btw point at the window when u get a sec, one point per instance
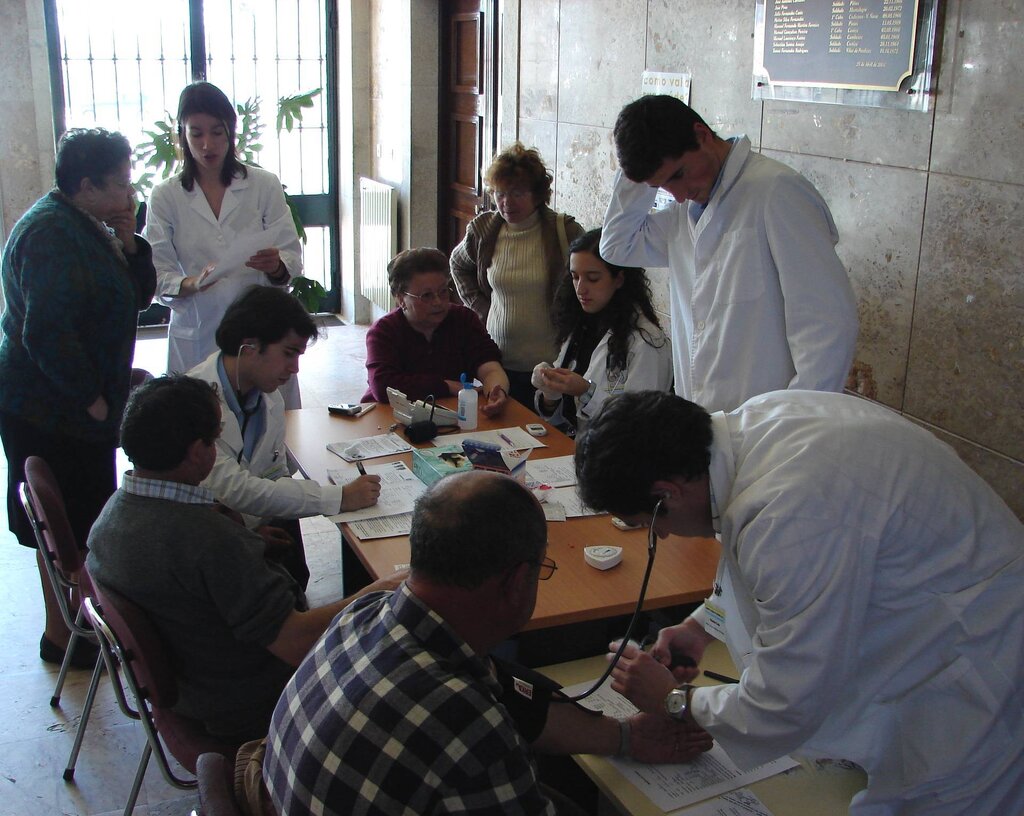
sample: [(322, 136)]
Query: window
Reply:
[(123, 65)]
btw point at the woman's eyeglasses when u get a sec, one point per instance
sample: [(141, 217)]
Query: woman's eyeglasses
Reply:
[(432, 297)]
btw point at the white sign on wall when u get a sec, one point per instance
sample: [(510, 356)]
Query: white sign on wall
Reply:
[(662, 82)]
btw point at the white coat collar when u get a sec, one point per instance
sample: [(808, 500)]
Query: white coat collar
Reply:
[(738, 154), (198, 202), (722, 470)]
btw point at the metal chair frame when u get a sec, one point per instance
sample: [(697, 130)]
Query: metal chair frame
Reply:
[(63, 584), (118, 660)]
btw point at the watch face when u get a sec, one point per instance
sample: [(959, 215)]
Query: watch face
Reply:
[(675, 702)]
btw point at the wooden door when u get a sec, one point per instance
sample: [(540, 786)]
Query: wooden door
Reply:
[(468, 112)]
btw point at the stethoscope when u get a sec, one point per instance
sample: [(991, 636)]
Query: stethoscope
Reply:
[(247, 413), (652, 546)]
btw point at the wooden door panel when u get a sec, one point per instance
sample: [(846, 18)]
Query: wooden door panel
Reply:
[(468, 112)]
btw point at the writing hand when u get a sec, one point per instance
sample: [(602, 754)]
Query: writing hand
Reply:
[(361, 493)]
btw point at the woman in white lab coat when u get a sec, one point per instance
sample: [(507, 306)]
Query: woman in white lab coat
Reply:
[(215, 205), (609, 334)]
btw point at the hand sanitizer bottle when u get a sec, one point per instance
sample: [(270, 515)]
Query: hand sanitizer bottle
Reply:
[(467, 405)]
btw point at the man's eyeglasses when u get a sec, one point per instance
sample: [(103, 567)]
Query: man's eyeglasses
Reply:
[(432, 297), (547, 568)]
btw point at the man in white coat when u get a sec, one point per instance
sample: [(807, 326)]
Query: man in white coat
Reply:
[(869, 591), (261, 337), (759, 299)]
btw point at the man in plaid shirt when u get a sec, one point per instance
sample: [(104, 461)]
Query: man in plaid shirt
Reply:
[(398, 708)]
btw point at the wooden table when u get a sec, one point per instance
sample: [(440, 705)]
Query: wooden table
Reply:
[(684, 567), (804, 791)]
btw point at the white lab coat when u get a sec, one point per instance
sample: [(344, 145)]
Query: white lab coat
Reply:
[(186, 237), (648, 367), (759, 299), (880, 582), (261, 488)]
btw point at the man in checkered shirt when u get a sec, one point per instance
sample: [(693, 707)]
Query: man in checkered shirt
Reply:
[(398, 709)]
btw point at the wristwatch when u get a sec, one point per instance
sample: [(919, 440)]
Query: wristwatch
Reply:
[(677, 703)]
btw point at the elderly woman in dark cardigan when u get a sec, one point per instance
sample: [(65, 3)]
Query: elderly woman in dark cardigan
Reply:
[(75, 276)]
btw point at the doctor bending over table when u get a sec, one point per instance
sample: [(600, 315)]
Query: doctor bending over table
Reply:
[(869, 587)]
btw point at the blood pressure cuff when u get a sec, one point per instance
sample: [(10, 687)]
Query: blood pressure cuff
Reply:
[(527, 695)]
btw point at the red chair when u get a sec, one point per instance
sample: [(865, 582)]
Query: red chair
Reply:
[(65, 567), (137, 659)]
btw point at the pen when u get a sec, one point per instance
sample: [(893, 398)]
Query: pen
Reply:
[(362, 470), (721, 678), (510, 443)]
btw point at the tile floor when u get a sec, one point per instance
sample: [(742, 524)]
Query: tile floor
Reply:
[(34, 738)]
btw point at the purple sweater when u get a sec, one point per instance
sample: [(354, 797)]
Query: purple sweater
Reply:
[(398, 356)]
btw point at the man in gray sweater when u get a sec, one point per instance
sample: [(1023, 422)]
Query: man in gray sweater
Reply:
[(235, 621)]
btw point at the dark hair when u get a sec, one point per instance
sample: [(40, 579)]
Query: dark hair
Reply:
[(621, 315), (638, 438), (517, 163), (89, 153), (411, 262), (265, 313), (469, 527), (204, 97), (651, 129), (164, 416)]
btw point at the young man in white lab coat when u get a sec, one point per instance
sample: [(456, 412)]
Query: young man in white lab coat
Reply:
[(261, 337), (759, 299), (869, 591)]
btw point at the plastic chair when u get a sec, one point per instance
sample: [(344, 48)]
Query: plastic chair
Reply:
[(137, 659), (216, 776), (65, 568)]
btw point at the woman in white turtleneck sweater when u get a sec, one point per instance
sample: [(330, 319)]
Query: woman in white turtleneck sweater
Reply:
[(509, 264)]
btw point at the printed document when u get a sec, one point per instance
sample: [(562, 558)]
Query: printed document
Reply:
[(370, 447), (387, 527), (671, 787), (399, 489), (558, 471)]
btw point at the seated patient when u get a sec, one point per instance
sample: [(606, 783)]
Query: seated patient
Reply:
[(400, 709), (423, 346), (260, 339), (231, 618), (610, 336)]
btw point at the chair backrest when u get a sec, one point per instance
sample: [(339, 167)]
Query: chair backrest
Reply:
[(141, 649), (49, 519)]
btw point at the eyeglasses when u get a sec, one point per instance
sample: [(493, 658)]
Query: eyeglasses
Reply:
[(517, 194), (432, 297), (547, 568)]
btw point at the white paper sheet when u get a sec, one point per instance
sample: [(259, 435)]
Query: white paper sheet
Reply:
[(399, 489), (240, 251), (671, 787), (569, 498), (558, 471), (735, 803), (387, 527), (370, 447), (515, 438)]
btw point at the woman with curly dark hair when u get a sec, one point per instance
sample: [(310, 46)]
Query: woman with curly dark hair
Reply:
[(611, 340)]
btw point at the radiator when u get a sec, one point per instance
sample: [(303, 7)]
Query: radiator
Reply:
[(378, 239)]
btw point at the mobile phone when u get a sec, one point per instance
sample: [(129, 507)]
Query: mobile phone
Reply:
[(352, 409)]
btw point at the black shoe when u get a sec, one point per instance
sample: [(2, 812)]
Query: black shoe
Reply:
[(83, 657)]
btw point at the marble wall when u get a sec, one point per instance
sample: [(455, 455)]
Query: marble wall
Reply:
[(927, 204)]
